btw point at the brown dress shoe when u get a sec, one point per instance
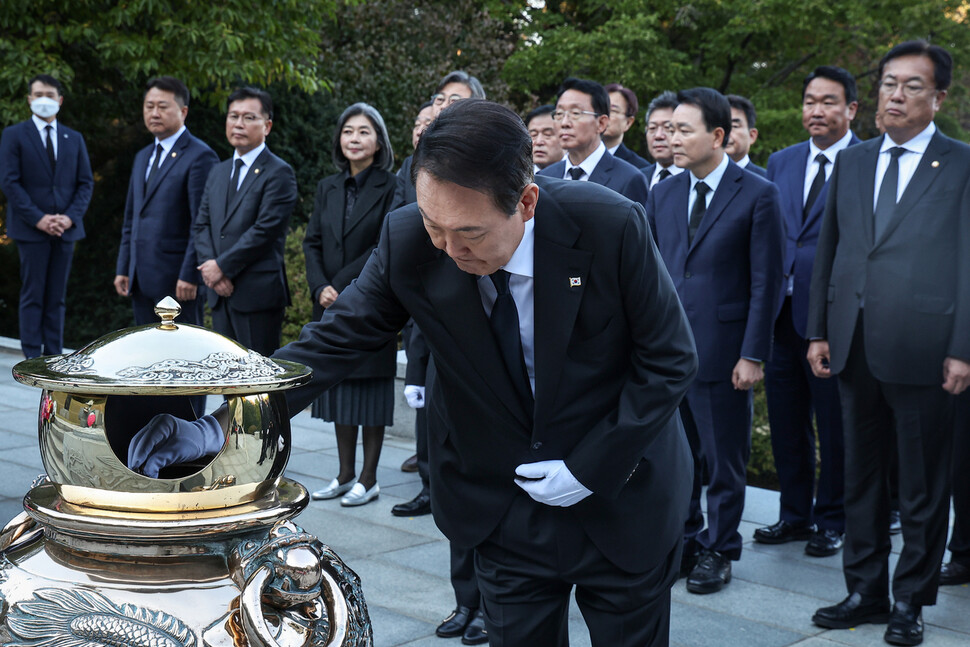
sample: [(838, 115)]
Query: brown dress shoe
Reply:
[(410, 465)]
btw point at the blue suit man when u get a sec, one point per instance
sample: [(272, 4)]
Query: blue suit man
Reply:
[(46, 176), (157, 254), (810, 509), (720, 233), (583, 112)]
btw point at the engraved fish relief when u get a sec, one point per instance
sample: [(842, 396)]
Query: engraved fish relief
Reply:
[(78, 618)]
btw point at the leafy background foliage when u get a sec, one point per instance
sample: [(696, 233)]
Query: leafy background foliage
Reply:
[(318, 56)]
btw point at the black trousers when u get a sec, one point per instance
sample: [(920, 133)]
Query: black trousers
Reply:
[(530, 564), (960, 537), (260, 331), (917, 421)]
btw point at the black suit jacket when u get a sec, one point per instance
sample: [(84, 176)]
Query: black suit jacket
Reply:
[(613, 358), (628, 155), (157, 245), (336, 250), (914, 279), (612, 173), (247, 238)]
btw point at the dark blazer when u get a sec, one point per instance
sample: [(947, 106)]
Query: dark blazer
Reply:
[(613, 358), (914, 279), (730, 277), (33, 190), (336, 251), (629, 156), (247, 238), (613, 173), (786, 169), (157, 246), (406, 193), (757, 170)]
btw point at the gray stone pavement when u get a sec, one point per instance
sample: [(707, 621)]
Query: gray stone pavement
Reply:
[(403, 563)]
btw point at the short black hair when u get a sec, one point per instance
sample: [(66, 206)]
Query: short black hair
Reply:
[(666, 99), (249, 92), (632, 105), (597, 93), (479, 145), (538, 112), (384, 157), (460, 76), (46, 79), (714, 107), (170, 84), (744, 105), (426, 104), (942, 61), (837, 74)]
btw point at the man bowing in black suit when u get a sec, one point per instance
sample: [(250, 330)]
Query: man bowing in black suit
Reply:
[(241, 228), (889, 314)]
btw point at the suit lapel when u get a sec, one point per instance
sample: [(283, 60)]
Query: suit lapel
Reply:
[(337, 197), (865, 179), (796, 191), (368, 196), (252, 177), (926, 173), (601, 173), (727, 188), (455, 297), (173, 157), (40, 146), (217, 197), (561, 273), (138, 170)]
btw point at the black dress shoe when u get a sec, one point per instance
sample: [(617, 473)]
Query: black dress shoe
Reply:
[(410, 464), (454, 625), (688, 560), (954, 572), (419, 505), (475, 633), (905, 625), (824, 543), (782, 533), (852, 611), (895, 523), (712, 573)]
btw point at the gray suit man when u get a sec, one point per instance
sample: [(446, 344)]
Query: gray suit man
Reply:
[(889, 314)]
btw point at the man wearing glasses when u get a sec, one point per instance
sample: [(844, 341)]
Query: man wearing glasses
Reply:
[(583, 113), (241, 228), (454, 87), (889, 314)]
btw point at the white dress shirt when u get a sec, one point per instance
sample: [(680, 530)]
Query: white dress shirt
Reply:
[(712, 180), (588, 164), (521, 284), (811, 167), (907, 161), (248, 160), (673, 169), (42, 129), (167, 145)]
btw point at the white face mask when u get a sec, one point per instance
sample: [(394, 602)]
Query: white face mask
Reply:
[(44, 107)]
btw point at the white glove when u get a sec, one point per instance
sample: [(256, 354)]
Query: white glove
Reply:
[(551, 482), (414, 395)]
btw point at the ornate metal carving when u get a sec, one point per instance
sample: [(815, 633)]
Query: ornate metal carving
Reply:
[(81, 618), (214, 368), (73, 364), (303, 586)]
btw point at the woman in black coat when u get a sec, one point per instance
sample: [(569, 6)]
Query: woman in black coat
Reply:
[(348, 212)]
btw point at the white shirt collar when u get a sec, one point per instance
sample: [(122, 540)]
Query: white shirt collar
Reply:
[(168, 142), (714, 177), (917, 144), (42, 125), (831, 151), (588, 164), (615, 148), (522, 262), (744, 161), (250, 157)]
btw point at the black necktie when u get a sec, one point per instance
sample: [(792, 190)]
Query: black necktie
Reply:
[(576, 172), (50, 145), (154, 167), (886, 203), (505, 326), (817, 184), (663, 175), (697, 211), (234, 180)]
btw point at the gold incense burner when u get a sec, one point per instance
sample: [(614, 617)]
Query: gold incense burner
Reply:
[(205, 555)]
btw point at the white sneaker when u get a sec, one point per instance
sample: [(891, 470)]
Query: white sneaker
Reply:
[(359, 496), (333, 490)]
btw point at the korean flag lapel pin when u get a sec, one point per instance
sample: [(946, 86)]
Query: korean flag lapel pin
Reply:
[(575, 282)]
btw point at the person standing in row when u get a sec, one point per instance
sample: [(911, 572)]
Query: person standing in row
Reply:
[(241, 228), (46, 175), (348, 212)]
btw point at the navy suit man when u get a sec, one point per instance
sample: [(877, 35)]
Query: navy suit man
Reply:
[(743, 133), (623, 113), (583, 113), (658, 132), (241, 228), (889, 311), (810, 509), (157, 253), (46, 175), (720, 233)]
